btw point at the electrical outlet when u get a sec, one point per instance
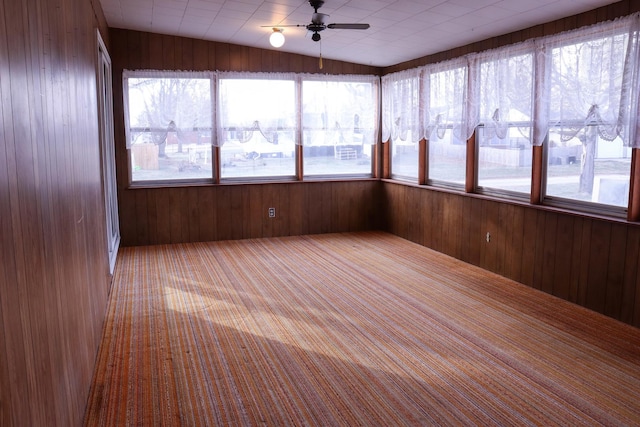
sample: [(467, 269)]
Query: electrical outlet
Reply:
[(272, 212), (488, 237)]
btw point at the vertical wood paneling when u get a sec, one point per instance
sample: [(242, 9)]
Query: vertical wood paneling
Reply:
[(153, 218), (636, 301), (615, 271), (206, 215), (168, 53), (475, 239), (141, 211), (180, 223), (435, 211), (596, 291), (344, 201), (270, 199), (126, 212), (162, 216), (52, 224), (222, 202), (415, 221), (323, 204), (134, 51), (537, 241), (398, 204), (193, 198), (547, 268), (236, 213), (563, 256), (593, 262), (582, 269), (450, 223), (294, 215), (155, 52), (631, 287), (201, 55), (514, 242), (489, 215)]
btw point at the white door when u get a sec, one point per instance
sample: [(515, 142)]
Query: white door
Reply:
[(107, 149)]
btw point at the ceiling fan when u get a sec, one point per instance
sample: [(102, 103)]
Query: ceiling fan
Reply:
[(318, 22)]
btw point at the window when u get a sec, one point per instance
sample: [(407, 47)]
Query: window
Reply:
[(260, 120), (339, 122), (503, 137), (587, 167), (258, 126), (447, 132), (401, 122), (168, 119), (575, 94), (586, 160)]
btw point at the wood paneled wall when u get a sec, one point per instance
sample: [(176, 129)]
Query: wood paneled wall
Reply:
[(219, 212), (224, 212), (140, 50), (592, 262), (54, 273)]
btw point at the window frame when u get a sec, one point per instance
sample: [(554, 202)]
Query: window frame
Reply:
[(376, 89), (216, 177), (539, 157), (165, 74), (448, 66)]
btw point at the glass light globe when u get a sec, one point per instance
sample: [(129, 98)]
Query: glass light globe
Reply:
[(277, 38)]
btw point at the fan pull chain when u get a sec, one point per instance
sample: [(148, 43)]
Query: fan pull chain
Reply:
[(320, 61)]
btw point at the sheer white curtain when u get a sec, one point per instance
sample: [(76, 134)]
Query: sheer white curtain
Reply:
[(259, 105), (157, 103), (344, 106), (503, 91), (445, 94), (401, 106), (590, 78)]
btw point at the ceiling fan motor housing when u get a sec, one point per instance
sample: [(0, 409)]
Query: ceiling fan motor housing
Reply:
[(315, 27), (316, 4)]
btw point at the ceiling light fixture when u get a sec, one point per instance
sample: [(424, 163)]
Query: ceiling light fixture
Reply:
[(276, 38)]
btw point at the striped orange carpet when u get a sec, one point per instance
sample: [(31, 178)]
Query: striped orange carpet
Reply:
[(347, 330)]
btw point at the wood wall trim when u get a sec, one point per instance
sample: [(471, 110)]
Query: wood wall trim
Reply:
[(536, 175), (422, 162), (471, 165), (634, 188), (386, 159)]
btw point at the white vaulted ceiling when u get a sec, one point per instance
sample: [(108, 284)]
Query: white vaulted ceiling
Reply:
[(400, 30)]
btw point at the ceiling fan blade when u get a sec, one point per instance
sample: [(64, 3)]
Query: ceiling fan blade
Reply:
[(282, 26), (349, 26)]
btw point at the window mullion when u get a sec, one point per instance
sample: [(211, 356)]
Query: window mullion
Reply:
[(634, 192), (540, 86), (299, 152)]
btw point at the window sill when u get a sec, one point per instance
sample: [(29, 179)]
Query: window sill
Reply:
[(610, 217)]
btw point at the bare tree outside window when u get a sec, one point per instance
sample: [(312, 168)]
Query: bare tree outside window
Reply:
[(170, 132)]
